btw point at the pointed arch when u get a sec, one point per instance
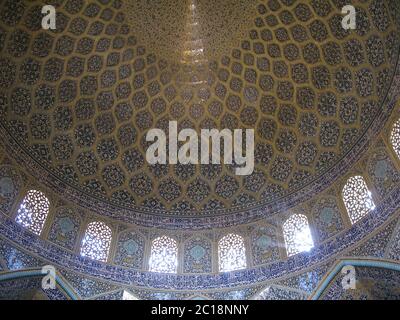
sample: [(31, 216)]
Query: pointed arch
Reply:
[(97, 241), (357, 198), (395, 138), (33, 211), (164, 255), (231, 253), (297, 234)]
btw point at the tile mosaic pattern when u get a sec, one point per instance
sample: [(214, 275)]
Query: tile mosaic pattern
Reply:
[(79, 100), (297, 287), (264, 245), (64, 230), (20, 289), (280, 293), (307, 281), (277, 269), (393, 251), (383, 172), (376, 246), (197, 256), (130, 250), (74, 121), (86, 287), (15, 259), (326, 217), (110, 296), (372, 284), (10, 185)]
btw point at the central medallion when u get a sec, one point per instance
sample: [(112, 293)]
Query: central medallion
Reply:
[(190, 31)]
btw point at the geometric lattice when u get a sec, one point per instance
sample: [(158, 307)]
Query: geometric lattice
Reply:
[(231, 253), (33, 211), (97, 241), (357, 198), (164, 255), (81, 100), (297, 235), (395, 138)]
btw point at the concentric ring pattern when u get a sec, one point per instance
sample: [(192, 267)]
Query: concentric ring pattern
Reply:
[(80, 99)]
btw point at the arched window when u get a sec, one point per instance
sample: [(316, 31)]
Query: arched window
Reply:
[(395, 138), (164, 255), (357, 198), (297, 235), (33, 211), (231, 253), (97, 241)]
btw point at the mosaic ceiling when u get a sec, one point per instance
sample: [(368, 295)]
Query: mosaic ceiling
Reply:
[(80, 99), (168, 27)]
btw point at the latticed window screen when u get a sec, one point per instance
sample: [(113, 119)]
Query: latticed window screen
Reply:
[(96, 242), (231, 253), (297, 235), (395, 138), (164, 255), (33, 211), (357, 198)]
